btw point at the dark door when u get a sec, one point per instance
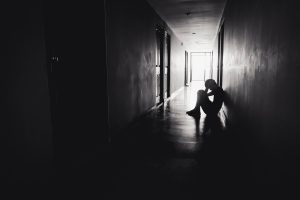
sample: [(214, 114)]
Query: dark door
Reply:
[(75, 41), (220, 54), (167, 68), (58, 76)]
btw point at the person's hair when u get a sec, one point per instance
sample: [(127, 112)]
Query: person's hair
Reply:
[(210, 82)]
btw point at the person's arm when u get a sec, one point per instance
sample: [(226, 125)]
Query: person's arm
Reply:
[(210, 93), (206, 90)]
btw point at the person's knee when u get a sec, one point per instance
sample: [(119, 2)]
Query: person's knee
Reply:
[(201, 92)]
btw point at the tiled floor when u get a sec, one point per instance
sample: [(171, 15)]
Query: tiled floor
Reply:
[(170, 153)]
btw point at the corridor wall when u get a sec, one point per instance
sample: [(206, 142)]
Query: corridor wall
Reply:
[(261, 78), (131, 48)]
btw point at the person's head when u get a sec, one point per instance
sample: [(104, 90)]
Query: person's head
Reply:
[(211, 84)]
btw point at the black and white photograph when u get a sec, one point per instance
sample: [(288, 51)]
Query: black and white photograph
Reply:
[(150, 99)]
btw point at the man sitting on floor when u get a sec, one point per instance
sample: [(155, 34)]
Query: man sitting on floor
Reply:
[(210, 108)]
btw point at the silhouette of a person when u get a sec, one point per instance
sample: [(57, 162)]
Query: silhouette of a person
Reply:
[(209, 107)]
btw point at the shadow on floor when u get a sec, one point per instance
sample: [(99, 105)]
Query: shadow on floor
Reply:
[(171, 154)]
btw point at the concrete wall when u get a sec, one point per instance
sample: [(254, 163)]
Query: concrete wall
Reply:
[(131, 60), (261, 78), (26, 133)]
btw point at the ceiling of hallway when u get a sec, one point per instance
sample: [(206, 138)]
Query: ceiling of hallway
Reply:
[(196, 30)]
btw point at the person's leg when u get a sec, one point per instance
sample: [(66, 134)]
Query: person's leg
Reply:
[(202, 98)]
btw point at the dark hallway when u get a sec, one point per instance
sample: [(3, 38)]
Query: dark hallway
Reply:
[(95, 94), (167, 154)]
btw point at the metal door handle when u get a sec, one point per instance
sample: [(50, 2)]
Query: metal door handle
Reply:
[(54, 59)]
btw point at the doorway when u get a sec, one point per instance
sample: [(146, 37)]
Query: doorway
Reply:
[(163, 62)]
